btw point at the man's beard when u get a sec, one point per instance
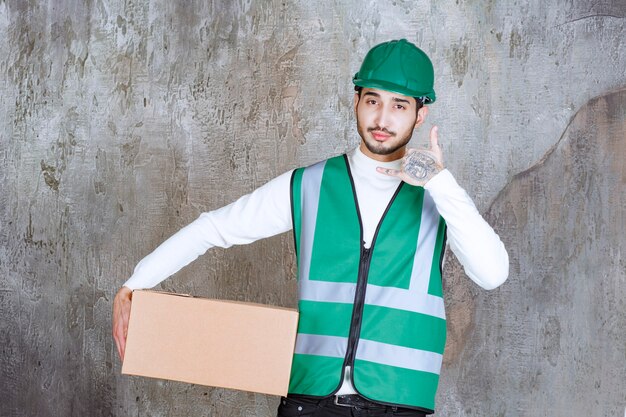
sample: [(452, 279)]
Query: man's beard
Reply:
[(380, 148)]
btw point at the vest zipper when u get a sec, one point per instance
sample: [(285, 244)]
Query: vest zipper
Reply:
[(361, 285), (359, 303)]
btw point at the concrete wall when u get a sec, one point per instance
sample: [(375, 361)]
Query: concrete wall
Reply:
[(122, 121)]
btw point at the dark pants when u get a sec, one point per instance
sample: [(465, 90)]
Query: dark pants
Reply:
[(304, 407)]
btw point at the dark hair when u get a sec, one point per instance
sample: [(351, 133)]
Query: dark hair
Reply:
[(419, 101)]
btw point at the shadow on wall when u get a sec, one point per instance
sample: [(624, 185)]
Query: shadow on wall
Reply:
[(551, 340)]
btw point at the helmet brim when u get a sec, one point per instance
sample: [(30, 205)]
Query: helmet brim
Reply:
[(427, 96)]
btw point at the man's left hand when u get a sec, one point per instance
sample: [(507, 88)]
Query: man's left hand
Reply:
[(419, 165)]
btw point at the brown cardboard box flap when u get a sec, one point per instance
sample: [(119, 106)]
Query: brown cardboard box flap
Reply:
[(228, 344)]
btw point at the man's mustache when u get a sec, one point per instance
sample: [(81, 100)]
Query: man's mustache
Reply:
[(378, 129)]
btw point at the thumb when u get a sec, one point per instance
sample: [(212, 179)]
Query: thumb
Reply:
[(434, 138)]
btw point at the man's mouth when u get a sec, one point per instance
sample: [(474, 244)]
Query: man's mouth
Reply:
[(380, 134)]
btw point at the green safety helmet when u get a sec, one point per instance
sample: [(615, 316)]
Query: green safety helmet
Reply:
[(399, 67)]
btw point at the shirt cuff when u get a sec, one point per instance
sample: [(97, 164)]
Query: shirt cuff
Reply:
[(442, 180)]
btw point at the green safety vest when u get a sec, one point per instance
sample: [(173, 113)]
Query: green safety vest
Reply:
[(378, 310)]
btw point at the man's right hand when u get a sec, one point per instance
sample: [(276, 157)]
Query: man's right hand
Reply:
[(121, 314)]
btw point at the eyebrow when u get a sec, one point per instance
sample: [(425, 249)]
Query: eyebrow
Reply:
[(396, 99)]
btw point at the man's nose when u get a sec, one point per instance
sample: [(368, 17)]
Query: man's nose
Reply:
[(382, 117)]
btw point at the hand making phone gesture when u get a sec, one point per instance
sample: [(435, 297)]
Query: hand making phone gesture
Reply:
[(419, 165)]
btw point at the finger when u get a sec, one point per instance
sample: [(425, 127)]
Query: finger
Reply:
[(126, 315), (115, 330), (434, 138), (120, 350), (120, 339), (121, 317), (388, 171)]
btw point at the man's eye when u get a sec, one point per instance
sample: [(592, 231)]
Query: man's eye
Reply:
[(400, 106), (371, 101)]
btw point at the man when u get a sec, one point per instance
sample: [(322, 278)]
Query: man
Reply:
[(370, 229)]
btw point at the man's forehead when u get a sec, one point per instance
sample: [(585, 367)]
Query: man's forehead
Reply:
[(386, 94)]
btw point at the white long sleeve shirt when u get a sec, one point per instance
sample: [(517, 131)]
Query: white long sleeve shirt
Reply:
[(267, 211)]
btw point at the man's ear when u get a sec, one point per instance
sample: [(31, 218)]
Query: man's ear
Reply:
[(356, 100), (421, 116)]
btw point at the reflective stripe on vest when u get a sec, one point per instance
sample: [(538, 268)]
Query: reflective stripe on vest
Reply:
[(402, 331)]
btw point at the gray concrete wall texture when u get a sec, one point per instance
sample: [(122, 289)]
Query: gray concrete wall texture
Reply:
[(123, 120)]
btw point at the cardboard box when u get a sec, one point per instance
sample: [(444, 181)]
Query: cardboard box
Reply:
[(228, 344)]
